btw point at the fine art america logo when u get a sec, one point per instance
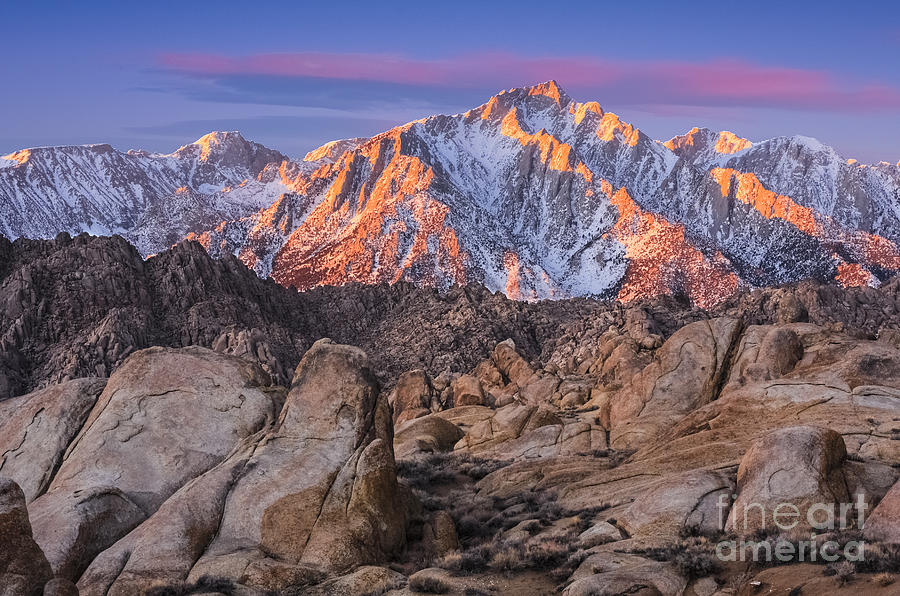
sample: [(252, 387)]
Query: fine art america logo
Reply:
[(790, 533)]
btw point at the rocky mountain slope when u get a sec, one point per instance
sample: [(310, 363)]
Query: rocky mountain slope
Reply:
[(180, 426), (153, 200), (74, 307), (532, 193)]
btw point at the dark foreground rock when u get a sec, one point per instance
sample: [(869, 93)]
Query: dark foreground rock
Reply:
[(23, 567)]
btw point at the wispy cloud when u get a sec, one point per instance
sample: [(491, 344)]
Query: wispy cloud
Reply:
[(725, 82)]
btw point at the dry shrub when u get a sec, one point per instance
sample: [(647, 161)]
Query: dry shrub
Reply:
[(845, 571), (443, 468), (693, 556), (429, 584), (508, 556), (880, 558), (471, 560)]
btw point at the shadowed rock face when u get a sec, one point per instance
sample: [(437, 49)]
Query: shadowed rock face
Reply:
[(23, 567), (78, 307), (884, 523)]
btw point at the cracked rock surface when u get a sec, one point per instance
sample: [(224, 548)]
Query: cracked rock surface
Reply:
[(143, 441)]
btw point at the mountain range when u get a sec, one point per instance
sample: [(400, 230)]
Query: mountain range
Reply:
[(532, 194), (177, 419)]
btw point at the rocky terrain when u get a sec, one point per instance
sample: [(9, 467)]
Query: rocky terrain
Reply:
[(178, 425), (76, 307), (532, 194)]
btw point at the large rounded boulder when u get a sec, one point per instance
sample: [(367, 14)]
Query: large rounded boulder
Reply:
[(321, 488), (165, 417), (792, 478)]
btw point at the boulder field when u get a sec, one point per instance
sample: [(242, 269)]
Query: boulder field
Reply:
[(621, 461)]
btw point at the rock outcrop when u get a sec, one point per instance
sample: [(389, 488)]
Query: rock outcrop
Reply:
[(796, 467), (36, 429), (688, 372), (428, 434), (323, 491), (78, 307), (314, 492), (23, 567), (162, 550), (183, 297), (883, 524), (596, 451), (142, 442), (696, 501), (412, 395)]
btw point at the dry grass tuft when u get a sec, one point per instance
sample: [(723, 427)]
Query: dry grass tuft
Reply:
[(429, 584)]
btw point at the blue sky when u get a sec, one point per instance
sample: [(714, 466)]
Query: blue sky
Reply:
[(293, 75)]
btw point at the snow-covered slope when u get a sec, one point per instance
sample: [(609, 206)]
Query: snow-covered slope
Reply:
[(151, 199), (537, 195), (532, 194)]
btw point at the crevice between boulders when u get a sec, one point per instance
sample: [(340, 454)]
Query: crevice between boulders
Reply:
[(729, 359)]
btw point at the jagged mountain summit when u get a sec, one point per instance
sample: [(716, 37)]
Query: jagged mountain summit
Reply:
[(532, 193)]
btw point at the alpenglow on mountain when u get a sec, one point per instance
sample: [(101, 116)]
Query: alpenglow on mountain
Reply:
[(532, 194)]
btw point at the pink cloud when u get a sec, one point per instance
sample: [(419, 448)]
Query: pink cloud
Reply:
[(466, 70), (718, 82)]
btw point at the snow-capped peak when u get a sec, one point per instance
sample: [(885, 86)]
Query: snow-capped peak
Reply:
[(334, 149), (532, 193), (705, 145), (151, 199)]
